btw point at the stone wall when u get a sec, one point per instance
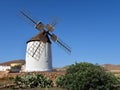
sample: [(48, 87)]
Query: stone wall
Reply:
[(52, 75)]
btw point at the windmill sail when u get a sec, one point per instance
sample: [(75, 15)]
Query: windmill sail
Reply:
[(28, 17), (64, 46), (36, 50), (60, 43), (33, 22)]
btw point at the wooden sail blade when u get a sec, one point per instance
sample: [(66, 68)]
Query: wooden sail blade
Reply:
[(28, 17), (38, 25), (64, 46), (60, 43), (49, 27), (53, 21), (53, 37)]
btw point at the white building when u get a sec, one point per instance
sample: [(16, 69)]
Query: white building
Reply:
[(38, 54), (4, 68)]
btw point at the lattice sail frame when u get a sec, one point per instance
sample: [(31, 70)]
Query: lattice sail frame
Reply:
[(36, 49)]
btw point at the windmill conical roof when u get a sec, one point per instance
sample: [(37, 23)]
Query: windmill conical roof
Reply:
[(42, 36)]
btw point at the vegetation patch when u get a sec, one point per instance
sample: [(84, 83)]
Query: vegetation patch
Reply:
[(87, 76), (32, 81)]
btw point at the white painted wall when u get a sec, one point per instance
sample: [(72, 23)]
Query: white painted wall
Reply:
[(4, 68), (44, 63)]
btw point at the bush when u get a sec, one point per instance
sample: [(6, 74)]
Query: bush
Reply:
[(32, 80), (87, 76)]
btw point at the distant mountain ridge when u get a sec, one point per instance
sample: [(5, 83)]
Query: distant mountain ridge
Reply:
[(8, 63)]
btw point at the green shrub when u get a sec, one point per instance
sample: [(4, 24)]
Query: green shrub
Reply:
[(33, 80), (87, 76)]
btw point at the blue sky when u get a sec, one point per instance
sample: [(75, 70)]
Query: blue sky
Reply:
[(90, 27)]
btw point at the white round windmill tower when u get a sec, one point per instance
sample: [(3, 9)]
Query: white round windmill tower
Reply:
[(39, 53)]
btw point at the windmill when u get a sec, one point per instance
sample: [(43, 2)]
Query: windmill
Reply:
[(38, 53)]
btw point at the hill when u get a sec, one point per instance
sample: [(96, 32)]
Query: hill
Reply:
[(112, 67), (13, 61)]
